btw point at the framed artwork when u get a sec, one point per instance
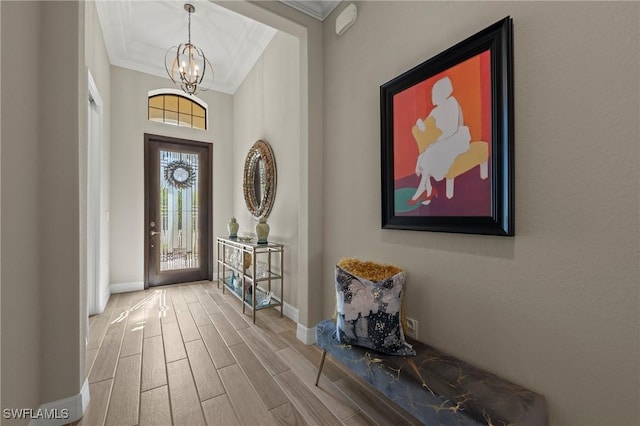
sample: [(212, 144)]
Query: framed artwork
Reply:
[(447, 139)]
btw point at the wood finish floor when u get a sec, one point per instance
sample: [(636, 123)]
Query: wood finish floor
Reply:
[(186, 355)]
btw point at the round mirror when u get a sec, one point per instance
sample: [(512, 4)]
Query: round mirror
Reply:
[(259, 183)]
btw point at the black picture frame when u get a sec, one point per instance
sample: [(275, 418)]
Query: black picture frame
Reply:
[(498, 216)]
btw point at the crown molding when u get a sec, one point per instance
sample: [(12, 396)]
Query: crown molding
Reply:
[(318, 9)]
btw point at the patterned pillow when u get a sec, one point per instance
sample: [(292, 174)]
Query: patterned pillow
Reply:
[(369, 313)]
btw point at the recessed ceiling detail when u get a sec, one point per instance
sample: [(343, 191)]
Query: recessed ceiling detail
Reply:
[(319, 9), (138, 34)]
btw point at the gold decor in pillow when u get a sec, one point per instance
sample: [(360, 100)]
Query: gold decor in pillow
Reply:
[(371, 271)]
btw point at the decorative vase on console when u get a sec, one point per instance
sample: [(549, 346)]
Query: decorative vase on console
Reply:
[(233, 228), (262, 231)]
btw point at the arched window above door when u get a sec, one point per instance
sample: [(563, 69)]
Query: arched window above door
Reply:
[(171, 106)]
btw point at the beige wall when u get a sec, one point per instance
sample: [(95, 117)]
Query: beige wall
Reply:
[(128, 125), (556, 307), (42, 304), (267, 107), (310, 236), (20, 269), (60, 186)]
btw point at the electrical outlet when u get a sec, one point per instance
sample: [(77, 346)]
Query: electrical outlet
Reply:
[(412, 328)]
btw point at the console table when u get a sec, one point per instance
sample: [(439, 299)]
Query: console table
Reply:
[(249, 270)]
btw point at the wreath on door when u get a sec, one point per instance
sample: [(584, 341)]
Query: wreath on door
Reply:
[(179, 174)]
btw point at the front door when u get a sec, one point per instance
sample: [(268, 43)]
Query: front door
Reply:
[(178, 238)]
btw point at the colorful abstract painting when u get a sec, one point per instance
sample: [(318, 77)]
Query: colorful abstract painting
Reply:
[(441, 128), (447, 139)]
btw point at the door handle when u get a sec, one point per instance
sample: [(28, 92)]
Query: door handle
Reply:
[(154, 233)]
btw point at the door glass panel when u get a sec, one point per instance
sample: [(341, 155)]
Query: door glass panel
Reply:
[(179, 183)]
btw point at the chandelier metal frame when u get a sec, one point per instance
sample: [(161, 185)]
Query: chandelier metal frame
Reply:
[(189, 65)]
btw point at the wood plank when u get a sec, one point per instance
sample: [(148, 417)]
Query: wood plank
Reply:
[(209, 286), (313, 354), (179, 304), (198, 289), (165, 307), (208, 304), (243, 397), (123, 302), (185, 404), (198, 313), (137, 299), (359, 419), (104, 367), (132, 341), (117, 323), (272, 338), (153, 364), (215, 345), (97, 330), (204, 372), (304, 400), (372, 404), (267, 356), (173, 346), (326, 391), (124, 405), (237, 320), (96, 412), (272, 318), (216, 295), (154, 407), (188, 327), (287, 415), (267, 389), (188, 293), (152, 325), (226, 330), (110, 307), (219, 411), (91, 357)]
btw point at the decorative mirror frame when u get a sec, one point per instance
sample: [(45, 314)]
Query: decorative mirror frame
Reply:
[(260, 149)]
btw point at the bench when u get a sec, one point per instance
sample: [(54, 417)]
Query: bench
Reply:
[(436, 388), (477, 155)]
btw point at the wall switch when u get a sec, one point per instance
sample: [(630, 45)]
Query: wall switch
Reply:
[(412, 328)]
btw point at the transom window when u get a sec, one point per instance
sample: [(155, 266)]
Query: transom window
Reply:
[(171, 107)]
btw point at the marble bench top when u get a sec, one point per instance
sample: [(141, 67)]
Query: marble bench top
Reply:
[(437, 388)]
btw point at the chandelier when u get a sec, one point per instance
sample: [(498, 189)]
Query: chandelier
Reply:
[(187, 65)]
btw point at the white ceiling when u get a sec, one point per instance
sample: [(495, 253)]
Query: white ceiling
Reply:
[(139, 33)]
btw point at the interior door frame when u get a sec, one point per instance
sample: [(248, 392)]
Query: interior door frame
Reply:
[(148, 139), (95, 185)]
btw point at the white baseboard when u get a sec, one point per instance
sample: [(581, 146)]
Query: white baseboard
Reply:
[(62, 411), (126, 287), (306, 335), (290, 312)]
